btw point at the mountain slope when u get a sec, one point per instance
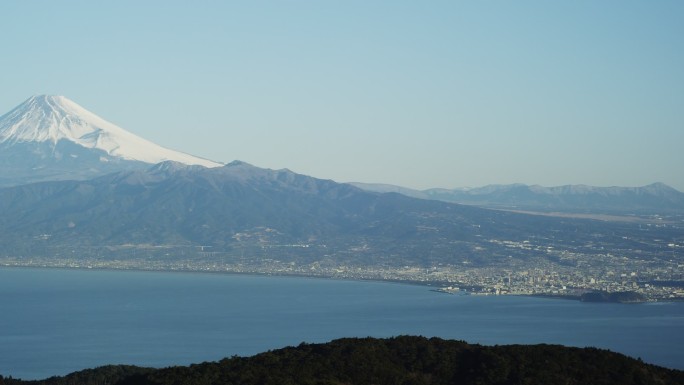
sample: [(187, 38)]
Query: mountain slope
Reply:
[(242, 210), (53, 138)]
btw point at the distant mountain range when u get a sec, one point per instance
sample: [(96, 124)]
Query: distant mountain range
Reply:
[(49, 138), (76, 185), (239, 209), (654, 198)]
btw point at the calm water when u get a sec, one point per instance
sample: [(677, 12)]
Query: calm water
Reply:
[(53, 322)]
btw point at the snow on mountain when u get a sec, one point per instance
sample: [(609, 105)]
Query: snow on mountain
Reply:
[(51, 119)]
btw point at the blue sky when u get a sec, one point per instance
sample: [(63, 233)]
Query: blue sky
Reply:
[(418, 94)]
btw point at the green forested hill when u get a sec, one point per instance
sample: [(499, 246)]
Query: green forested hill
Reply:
[(400, 360)]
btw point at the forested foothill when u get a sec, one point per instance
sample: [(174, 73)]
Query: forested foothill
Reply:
[(399, 360)]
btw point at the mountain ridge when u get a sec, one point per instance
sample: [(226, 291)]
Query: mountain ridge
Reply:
[(655, 197), (246, 211)]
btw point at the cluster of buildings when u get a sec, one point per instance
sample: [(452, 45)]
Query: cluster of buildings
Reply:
[(576, 273)]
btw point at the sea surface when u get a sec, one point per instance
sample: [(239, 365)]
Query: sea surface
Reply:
[(54, 321)]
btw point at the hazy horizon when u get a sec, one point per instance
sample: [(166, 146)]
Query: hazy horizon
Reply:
[(445, 94)]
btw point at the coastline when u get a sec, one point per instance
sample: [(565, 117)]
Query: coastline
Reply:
[(227, 272), (530, 312), (442, 287)]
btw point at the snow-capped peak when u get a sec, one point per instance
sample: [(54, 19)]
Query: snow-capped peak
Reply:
[(47, 118)]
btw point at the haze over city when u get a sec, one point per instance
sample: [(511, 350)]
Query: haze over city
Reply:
[(445, 94)]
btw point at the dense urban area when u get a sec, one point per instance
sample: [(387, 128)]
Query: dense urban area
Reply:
[(657, 275)]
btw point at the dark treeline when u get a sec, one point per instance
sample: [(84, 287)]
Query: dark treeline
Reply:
[(400, 360)]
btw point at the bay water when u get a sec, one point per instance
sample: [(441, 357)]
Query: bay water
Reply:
[(56, 321)]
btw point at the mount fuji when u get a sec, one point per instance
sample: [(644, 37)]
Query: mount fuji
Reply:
[(53, 138)]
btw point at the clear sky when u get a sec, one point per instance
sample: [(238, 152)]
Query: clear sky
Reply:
[(414, 93)]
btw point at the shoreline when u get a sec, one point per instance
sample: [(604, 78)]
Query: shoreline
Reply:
[(219, 272), (66, 275), (440, 287)]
